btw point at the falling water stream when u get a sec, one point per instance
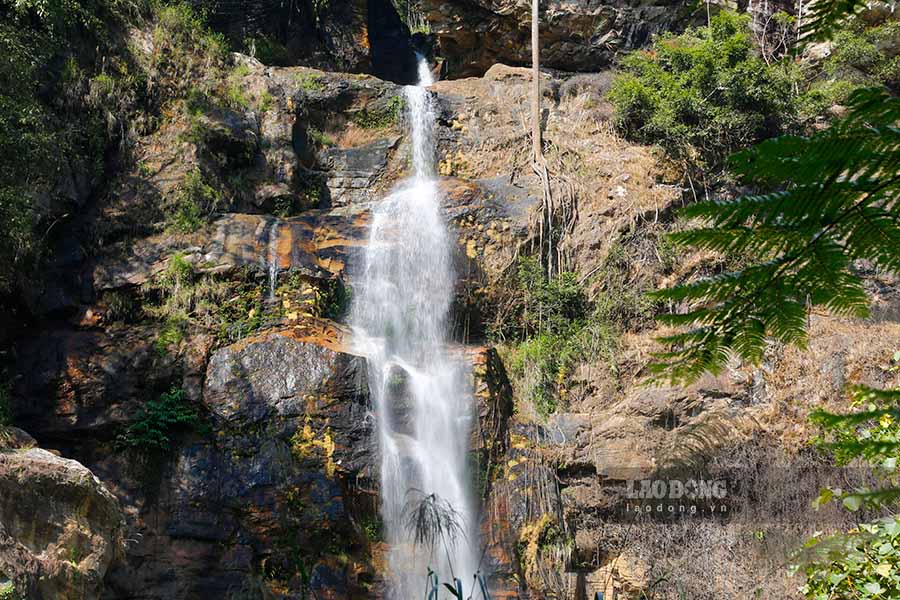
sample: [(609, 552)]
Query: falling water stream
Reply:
[(423, 401), (272, 258)]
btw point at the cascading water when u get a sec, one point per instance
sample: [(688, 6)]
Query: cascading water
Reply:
[(400, 317), (272, 258)]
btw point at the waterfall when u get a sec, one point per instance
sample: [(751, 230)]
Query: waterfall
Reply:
[(272, 258), (420, 389)]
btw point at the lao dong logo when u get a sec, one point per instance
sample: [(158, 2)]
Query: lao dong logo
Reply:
[(676, 496)]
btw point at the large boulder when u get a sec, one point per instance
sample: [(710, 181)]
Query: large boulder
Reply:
[(272, 492), (60, 528)]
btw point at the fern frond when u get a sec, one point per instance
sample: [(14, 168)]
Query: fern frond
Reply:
[(824, 18), (839, 201)]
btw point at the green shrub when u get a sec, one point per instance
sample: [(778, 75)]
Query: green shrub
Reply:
[(380, 119), (544, 305), (704, 94), (171, 334), (158, 422), (235, 96), (552, 327), (52, 86), (859, 55), (265, 101), (320, 138), (180, 32), (310, 82), (29, 147), (195, 201), (621, 300)]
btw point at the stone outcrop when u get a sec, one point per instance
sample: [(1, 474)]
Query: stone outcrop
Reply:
[(60, 528), (576, 35), (273, 490)]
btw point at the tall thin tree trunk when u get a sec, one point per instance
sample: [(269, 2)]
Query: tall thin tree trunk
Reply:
[(536, 81)]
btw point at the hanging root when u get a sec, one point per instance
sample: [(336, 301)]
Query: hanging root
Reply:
[(557, 219)]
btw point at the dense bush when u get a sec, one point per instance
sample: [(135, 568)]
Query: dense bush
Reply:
[(68, 84), (866, 54), (34, 143), (704, 94)]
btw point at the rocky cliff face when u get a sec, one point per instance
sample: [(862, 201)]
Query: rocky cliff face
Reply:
[(575, 35), (272, 494)]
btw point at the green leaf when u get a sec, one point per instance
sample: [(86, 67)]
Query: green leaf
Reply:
[(824, 497), (852, 502), (452, 590), (873, 588)]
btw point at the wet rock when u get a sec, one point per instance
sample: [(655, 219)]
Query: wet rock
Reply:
[(316, 244), (397, 395), (60, 529), (353, 171)]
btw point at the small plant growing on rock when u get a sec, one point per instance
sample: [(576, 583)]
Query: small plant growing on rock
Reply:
[(194, 202), (158, 422), (380, 119), (8, 591), (309, 82), (234, 93), (320, 138)]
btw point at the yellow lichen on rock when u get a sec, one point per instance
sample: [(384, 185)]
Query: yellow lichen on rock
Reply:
[(305, 444)]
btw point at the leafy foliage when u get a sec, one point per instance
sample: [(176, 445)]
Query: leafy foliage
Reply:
[(871, 433), (860, 55), (554, 326), (704, 94), (40, 60), (863, 564), (380, 119), (195, 201), (185, 51), (839, 203), (825, 18), (158, 422)]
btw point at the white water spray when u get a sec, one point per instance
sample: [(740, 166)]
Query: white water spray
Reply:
[(424, 403)]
